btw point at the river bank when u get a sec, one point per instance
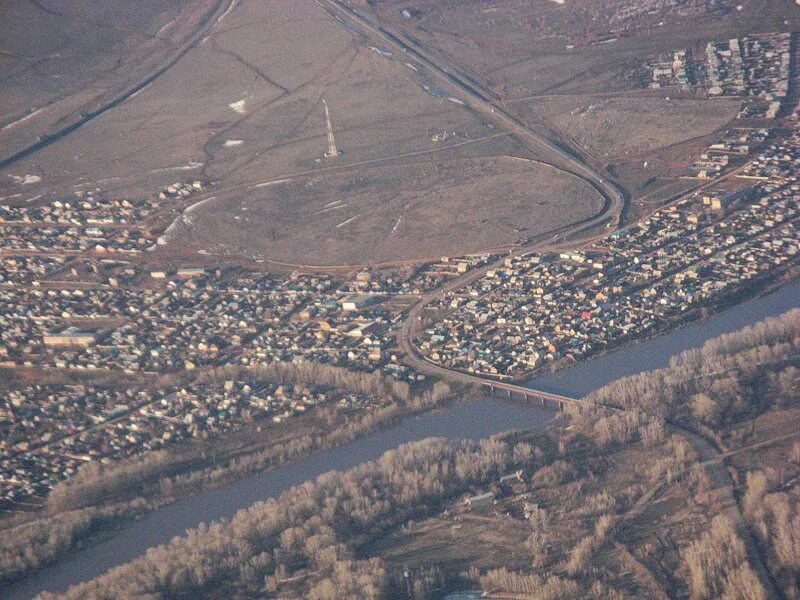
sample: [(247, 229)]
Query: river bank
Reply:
[(461, 420), (655, 352)]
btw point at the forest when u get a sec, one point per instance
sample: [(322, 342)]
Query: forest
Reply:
[(100, 495), (731, 377), (314, 528), (611, 504)]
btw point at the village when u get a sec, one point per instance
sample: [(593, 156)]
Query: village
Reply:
[(57, 428), (542, 309), (754, 67), (98, 312), (144, 323), (85, 299)]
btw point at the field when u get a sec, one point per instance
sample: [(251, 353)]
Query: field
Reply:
[(243, 107), (59, 59), (229, 92), (610, 128), (390, 213), (566, 70)]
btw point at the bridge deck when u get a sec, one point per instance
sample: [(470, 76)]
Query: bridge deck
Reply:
[(511, 388)]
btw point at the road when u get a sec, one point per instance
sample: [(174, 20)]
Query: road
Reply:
[(209, 20), (467, 92), (711, 458), (722, 487)]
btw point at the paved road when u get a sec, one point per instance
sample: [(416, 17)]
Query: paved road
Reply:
[(209, 20), (466, 90), (710, 457)]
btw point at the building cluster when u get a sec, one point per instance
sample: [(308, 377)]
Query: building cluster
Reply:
[(16, 270), (80, 211), (48, 431), (83, 223), (72, 238), (169, 320), (539, 309), (174, 320), (672, 70), (729, 151), (147, 321), (755, 68)]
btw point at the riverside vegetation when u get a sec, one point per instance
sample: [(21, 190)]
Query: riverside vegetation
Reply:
[(611, 505), (101, 496)]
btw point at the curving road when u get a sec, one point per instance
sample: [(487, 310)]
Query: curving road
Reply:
[(465, 90), (710, 457)]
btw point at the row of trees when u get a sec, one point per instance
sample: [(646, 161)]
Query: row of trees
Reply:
[(718, 565), (187, 470), (312, 529), (28, 546), (101, 494), (721, 382), (775, 516)]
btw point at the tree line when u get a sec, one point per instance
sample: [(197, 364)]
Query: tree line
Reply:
[(721, 382), (101, 494), (306, 538)]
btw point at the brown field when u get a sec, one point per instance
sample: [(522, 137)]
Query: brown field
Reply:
[(542, 61), (519, 47), (610, 128), (58, 59), (242, 106), (390, 213)]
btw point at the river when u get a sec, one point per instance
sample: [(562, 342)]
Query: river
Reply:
[(471, 420), (655, 353)]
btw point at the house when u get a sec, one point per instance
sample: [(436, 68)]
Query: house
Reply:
[(71, 336), (359, 301), (479, 501)]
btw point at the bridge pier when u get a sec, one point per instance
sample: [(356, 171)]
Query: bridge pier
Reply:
[(529, 395)]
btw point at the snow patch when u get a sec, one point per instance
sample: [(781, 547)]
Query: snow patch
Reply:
[(350, 220), (190, 167), (269, 183), (183, 222), (26, 180), (238, 106), (232, 143), (32, 113)]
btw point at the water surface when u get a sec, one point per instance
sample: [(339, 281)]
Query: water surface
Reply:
[(462, 420), (655, 353), (471, 420)]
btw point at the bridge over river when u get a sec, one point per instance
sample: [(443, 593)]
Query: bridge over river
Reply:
[(511, 390)]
